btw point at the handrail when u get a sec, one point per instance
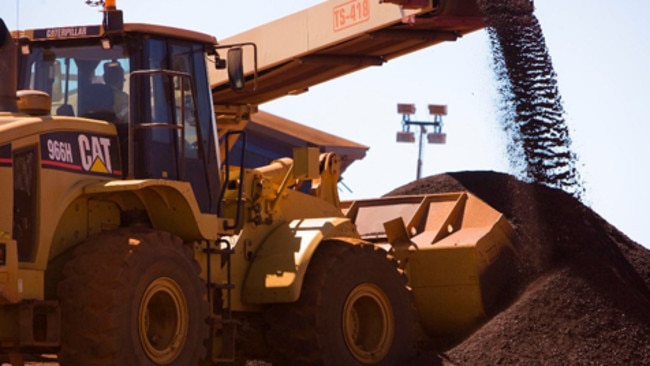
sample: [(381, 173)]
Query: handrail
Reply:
[(226, 225)]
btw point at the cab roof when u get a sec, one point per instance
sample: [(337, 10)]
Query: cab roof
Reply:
[(97, 31)]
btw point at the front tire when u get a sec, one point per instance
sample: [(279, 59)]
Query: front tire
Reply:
[(354, 309), (132, 297)]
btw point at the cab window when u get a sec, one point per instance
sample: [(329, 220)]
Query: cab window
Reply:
[(83, 81)]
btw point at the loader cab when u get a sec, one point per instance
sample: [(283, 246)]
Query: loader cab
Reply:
[(150, 81)]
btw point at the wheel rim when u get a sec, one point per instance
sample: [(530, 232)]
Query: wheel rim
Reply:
[(163, 321), (368, 323)]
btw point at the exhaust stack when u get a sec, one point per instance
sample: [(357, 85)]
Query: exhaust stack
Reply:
[(8, 77)]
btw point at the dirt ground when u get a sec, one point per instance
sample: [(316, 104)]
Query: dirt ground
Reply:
[(583, 296)]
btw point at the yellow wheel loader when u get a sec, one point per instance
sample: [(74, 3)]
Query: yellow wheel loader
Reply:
[(126, 238)]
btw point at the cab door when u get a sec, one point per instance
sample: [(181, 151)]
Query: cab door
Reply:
[(173, 119)]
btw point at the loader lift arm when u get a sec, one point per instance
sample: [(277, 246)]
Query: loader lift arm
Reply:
[(338, 37)]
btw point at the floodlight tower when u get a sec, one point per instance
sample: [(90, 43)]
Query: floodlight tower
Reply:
[(435, 137)]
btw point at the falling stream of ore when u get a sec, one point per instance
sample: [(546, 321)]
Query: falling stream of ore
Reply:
[(532, 114)]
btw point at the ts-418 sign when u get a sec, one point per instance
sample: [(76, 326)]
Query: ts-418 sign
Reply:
[(351, 13)]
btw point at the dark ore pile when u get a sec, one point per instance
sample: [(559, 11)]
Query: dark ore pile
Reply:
[(582, 292)]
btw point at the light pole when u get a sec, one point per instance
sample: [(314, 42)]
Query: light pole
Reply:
[(435, 137)]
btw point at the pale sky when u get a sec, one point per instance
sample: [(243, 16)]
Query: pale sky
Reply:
[(600, 51)]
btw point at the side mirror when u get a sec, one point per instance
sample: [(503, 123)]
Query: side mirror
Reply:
[(235, 64), (236, 68)]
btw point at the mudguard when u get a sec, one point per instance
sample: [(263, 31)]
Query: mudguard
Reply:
[(280, 264)]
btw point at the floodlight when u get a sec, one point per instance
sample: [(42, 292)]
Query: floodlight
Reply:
[(437, 138), (405, 108), (405, 136), (437, 109)]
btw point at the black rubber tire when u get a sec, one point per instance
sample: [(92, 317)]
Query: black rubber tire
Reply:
[(313, 330), (108, 286)]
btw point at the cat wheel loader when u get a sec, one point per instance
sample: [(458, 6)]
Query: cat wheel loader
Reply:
[(127, 238)]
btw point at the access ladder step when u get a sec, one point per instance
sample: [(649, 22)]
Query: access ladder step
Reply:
[(228, 332), (225, 252), (222, 286)]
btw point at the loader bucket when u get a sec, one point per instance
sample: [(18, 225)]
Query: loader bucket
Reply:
[(456, 251)]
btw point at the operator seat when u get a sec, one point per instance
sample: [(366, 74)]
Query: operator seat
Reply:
[(99, 103)]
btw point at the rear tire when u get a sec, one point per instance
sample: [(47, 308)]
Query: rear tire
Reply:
[(354, 309), (132, 297)]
